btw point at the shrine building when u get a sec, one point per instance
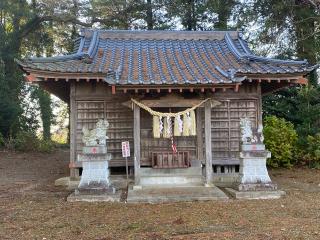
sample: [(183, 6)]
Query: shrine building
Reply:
[(176, 96)]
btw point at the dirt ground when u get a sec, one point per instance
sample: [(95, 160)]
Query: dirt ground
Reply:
[(31, 207)]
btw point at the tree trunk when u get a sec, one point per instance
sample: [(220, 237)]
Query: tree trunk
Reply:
[(149, 15), (45, 112)]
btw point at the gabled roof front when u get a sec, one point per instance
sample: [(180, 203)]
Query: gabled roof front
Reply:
[(164, 57)]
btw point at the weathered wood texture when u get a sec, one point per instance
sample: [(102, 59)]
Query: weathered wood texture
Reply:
[(225, 121), (225, 126), (208, 141), (74, 172), (136, 140), (94, 103), (150, 144)]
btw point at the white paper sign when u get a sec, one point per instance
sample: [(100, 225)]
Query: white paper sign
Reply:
[(125, 149)]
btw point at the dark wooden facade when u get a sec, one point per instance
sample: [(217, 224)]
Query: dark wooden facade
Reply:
[(91, 101)]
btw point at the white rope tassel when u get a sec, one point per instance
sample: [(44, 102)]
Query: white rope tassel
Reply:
[(169, 126), (186, 128), (166, 128), (176, 131), (180, 123), (192, 123), (160, 125), (156, 127)]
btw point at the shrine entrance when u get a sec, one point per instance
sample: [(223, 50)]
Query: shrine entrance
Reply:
[(170, 139), (168, 152)]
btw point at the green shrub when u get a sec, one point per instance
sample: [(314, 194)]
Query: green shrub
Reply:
[(2, 140), (26, 142), (311, 154), (280, 139), (46, 146)]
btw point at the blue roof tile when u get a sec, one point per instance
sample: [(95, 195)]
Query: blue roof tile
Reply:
[(164, 57)]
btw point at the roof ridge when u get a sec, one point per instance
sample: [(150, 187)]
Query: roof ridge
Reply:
[(159, 34), (249, 56)]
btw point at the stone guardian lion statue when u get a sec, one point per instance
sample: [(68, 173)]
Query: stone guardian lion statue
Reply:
[(96, 136)]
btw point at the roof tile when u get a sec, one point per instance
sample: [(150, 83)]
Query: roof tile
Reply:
[(164, 57)]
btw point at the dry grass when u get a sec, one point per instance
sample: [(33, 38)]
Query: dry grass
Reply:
[(32, 208)]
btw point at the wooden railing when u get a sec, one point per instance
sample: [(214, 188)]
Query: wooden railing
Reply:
[(170, 159)]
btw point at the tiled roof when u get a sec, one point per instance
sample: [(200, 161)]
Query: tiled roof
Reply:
[(164, 57)]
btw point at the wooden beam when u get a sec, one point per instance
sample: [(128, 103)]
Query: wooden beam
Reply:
[(236, 88), (74, 172), (136, 90), (170, 100), (124, 90), (208, 142), (301, 81), (158, 90), (30, 78), (113, 89), (199, 135), (136, 140), (147, 90)]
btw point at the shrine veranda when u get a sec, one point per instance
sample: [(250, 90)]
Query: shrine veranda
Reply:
[(169, 72)]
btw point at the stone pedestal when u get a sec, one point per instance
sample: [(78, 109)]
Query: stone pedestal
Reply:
[(254, 181), (95, 173), (253, 174)]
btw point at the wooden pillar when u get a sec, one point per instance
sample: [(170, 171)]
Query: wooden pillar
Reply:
[(136, 140), (207, 133), (199, 135), (74, 172), (259, 107)]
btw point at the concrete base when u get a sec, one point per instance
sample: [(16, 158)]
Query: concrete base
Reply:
[(255, 194), (66, 182), (256, 187), (174, 194), (118, 181), (176, 176), (94, 198), (225, 180)]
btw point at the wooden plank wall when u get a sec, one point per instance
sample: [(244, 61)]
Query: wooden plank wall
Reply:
[(94, 103), (225, 121), (225, 126)]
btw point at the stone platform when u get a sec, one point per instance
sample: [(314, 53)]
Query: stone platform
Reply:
[(94, 198), (178, 176), (276, 194), (174, 194)]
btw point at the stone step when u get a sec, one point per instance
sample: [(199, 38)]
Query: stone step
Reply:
[(170, 186), (191, 171), (170, 180), (176, 194)]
